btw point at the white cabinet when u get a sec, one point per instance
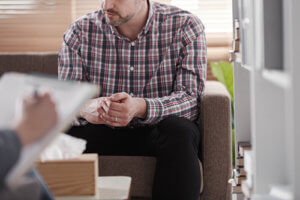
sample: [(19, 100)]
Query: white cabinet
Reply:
[(267, 93)]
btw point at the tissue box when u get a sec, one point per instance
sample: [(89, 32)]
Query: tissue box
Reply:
[(72, 176)]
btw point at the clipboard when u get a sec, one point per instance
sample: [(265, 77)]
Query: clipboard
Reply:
[(69, 96)]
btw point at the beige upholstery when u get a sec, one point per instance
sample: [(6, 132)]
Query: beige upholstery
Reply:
[(215, 123), (215, 120)]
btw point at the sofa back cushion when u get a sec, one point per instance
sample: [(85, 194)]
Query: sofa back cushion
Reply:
[(218, 46), (29, 62)]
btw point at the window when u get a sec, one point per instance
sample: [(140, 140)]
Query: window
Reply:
[(38, 25), (14, 8), (33, 25), (216, 15)]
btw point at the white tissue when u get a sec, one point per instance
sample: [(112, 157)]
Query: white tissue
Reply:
[(63, 147)]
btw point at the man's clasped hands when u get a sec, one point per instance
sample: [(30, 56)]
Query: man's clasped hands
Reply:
[(117, 110)]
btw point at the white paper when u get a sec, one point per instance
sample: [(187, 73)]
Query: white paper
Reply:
[(68, 96)]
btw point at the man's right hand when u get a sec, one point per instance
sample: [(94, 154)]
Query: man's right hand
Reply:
[(91, 111)]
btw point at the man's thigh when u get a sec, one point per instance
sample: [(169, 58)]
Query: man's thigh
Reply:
[(106, 140), (174, 132), (140, 141)]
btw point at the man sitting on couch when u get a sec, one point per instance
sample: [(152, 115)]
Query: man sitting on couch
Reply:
[(150, 60)]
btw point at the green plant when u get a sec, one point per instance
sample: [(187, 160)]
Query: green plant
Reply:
[(223, 71)]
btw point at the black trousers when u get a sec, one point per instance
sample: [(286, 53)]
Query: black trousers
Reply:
[(174, 142)]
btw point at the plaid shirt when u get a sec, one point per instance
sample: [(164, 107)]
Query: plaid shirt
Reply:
[(165, 65)]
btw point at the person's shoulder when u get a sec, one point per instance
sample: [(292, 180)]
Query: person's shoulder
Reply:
[(167, 13), (81, 27), (91, 19)]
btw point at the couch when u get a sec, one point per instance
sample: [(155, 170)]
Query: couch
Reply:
[(215, 121)]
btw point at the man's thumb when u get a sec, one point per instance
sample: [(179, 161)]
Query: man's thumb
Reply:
[(118, 96)]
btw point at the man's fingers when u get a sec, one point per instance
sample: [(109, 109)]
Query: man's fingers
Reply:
[(120, 107), (112, 121), (122, 120), (112, 118), (104, 103), (115, 113), (112, 112), (118, 96), (101, 121), (105, 107), (117, 106), (115, 124)]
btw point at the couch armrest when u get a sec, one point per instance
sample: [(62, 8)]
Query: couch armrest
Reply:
[(215, 122)]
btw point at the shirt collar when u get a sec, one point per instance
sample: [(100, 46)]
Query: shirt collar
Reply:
[(150, 17), (146, 28)]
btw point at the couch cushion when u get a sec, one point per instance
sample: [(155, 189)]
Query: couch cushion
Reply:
[(140, 168)]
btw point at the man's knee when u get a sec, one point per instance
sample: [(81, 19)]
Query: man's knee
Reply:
[(179, 130)]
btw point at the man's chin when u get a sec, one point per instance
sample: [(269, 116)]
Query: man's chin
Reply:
[(113, 22)]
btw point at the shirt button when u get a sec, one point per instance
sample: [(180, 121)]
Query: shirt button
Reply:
[(131, 68), (133, 44), (131, 94)]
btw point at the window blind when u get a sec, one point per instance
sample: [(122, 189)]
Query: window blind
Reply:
[(216, 15), (13, 8), (38, 25), (33, 25), (83, 7)]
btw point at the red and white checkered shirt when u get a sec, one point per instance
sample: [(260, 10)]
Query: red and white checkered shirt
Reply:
[(165, 65)]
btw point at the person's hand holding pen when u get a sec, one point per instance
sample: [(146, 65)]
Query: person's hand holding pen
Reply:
[(38, 115)]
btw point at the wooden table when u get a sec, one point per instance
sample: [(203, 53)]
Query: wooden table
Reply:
[(109, 188)]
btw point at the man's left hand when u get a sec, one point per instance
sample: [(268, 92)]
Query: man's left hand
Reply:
[(122, 109)]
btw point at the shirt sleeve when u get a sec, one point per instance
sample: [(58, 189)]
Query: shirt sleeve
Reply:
[(70, 65), (10, 147), (190, 79)]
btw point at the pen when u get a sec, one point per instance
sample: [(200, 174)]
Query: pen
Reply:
[(36, 94)]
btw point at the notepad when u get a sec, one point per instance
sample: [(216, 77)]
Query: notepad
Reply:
[(69, 97)]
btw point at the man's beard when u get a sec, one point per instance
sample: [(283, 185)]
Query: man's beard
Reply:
[(121, 20)]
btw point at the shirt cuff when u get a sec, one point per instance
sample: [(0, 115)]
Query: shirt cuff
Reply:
[(154, 111)]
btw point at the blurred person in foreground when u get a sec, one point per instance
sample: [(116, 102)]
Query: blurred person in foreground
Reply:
[(37, 117)]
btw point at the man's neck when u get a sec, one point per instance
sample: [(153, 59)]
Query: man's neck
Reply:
[(133, 27)]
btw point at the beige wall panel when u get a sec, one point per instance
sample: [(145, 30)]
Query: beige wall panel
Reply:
[(83, 7), (26, 44), (35, 32)]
